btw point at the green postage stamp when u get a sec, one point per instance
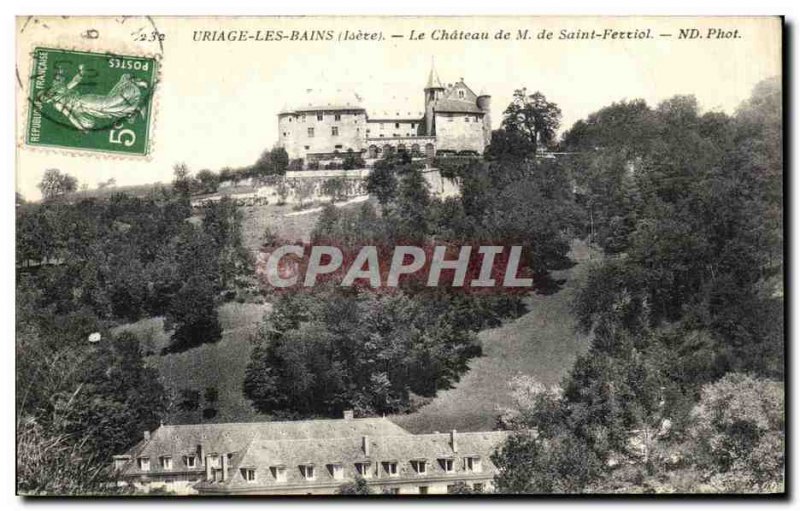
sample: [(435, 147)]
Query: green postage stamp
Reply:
[(91, 101)]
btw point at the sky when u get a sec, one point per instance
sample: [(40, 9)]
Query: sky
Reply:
[(216, 102)]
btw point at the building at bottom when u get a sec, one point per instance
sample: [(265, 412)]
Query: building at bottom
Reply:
[(306, 457)]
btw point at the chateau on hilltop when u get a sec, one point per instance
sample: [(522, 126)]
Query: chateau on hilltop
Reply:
[(455, 120), (307, 457)]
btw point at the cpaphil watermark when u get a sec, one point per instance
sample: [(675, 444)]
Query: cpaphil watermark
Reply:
[(468, 267)]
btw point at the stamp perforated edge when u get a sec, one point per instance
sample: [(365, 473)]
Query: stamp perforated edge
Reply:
[(23, 114)]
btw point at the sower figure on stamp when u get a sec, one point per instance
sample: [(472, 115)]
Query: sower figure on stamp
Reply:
[(85, 110)]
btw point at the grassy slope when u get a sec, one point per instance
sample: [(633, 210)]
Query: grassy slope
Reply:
[(541, 343), (221, 365)]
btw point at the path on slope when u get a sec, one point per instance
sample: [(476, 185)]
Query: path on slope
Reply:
[(542, 343)]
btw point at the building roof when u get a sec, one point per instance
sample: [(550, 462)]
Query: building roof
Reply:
[(433, 80), (264, 455), (180, 440), (457, 106)]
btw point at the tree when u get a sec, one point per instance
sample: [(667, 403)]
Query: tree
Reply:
[(193, 314), (532, 116), (357, 487), (54, 184), (209, 181), (182, 183), (382, 182), (737, 434)]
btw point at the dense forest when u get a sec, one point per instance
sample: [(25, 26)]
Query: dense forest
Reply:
[(682, 388)]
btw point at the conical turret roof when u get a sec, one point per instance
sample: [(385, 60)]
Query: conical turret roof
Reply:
[(433, 79)]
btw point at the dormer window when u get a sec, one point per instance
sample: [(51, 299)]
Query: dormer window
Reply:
[(121, 461), (447, 464), (363, 469), (190, 461), (337, 471), (165, 462), (279, 473), (391, 468), (461, 93), (248, 474), (420, 466), (472, 464), (213, 461), (308, 472), (319, 116), (337, 117), (143, 464)]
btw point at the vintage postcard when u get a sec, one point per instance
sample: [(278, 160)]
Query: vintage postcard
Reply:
[(399, 256)]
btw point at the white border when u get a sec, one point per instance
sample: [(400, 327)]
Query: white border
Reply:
[(346, 7)]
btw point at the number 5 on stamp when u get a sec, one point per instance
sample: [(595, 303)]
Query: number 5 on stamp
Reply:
[(90, 101)]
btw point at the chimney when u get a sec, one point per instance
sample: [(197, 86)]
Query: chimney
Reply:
[(365, 444), (209, 470), (453, 441), (224, 467), (348, 415), (201, 453), (146, 436)]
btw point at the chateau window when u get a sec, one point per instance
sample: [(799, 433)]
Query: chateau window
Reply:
[(279, 473), (476, 118), (420, 466), (303, 118), (478, 486), (248, 474), (335, 131), (319, 116), (423, 490), (165, 462), (391, 468), (143, 463), (307, 147), (461, 93), (413, 126), (394, 491), (466, 119), (310, 132), (190, 461), (363, 469), (447, 464), (382, 126), (308, 472), (337, 117), (213, 461), (337, 471), (337, 146), (472, 464), (397, 125)]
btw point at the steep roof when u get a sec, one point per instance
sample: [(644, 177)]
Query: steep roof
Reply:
[(450, 101), (180, 440), (433, 80), (262, 455)]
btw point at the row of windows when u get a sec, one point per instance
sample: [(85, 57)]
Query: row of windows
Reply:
[(320, 116), (165, 462), (364, 469)]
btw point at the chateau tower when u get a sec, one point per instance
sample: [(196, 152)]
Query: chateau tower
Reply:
[(433, 91), (485, 104)]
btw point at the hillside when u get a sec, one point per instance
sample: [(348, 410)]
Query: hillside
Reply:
[(541, 343)]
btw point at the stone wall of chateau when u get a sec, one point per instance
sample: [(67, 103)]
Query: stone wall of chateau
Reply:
[(305, 134), (389, 128), (459, 132)]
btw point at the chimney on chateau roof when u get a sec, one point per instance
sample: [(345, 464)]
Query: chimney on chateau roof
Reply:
[(365, 444), (348, 415), (146, 436), (453, 441), (224, 467)]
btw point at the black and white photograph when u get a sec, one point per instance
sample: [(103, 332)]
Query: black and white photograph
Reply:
[(400, 257)]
